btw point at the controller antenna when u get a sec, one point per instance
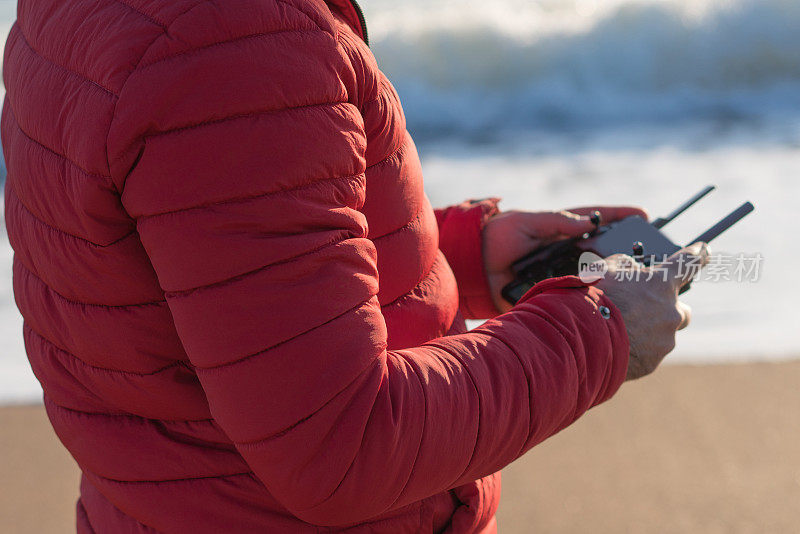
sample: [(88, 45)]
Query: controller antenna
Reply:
[(729, 220), (663, 221)]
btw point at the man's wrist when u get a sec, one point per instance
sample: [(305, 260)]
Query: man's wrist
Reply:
[(461, 241)]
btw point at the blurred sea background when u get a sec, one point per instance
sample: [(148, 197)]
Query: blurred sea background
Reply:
[(553, 104)]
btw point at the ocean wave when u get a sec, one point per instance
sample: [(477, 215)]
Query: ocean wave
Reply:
[(472, 68)]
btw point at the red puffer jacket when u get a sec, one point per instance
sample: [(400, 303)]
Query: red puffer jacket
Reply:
[(237, 297)]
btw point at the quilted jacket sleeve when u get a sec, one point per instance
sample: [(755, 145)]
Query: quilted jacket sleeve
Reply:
[(461, 241), (246, 191)]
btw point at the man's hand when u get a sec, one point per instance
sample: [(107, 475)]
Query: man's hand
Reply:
[(510, 235), (649, 303)]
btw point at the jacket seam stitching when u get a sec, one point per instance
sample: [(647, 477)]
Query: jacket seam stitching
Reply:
[(251, 444), (248, 198), (422, 434), (172, 480), (83, 77), (395, 152), (33, 331), (355, 456), (307, 16), (379, 94), (207, 46), (52, 228), (145, 529), (552, 324), (236, 278), (425, 277), (414, 218), (125, 151), (160, 24), (124, 415), (217, 367), (340, 40), (480, 404), (209, 122), (496, 336), (89, 304), (180, 129), (104, 177)]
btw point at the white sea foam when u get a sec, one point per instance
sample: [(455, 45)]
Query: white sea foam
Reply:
[(470, 68)]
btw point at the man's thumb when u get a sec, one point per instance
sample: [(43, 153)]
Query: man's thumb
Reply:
[(687, 262)]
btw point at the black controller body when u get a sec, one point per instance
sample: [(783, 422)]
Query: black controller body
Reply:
[(633, 236)]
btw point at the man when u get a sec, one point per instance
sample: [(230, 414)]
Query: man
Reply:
[(243, 311)]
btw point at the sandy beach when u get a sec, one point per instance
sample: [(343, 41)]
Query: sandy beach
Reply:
[(710, 449)]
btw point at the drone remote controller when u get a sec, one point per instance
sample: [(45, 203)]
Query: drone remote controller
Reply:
[(633, 236)]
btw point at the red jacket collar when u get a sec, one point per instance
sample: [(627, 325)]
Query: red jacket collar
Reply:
[(352, 12)]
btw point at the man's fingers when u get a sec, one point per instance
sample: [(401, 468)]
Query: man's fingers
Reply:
[(556, 224), (685, 264), (573, 223), (611, 213), (686, 314)]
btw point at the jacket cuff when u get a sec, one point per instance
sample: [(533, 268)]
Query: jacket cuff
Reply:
[(606, 327), (461, 241)]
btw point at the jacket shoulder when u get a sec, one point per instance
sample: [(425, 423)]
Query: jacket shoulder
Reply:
[(207, 23), (104, 41), (219, 60)]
